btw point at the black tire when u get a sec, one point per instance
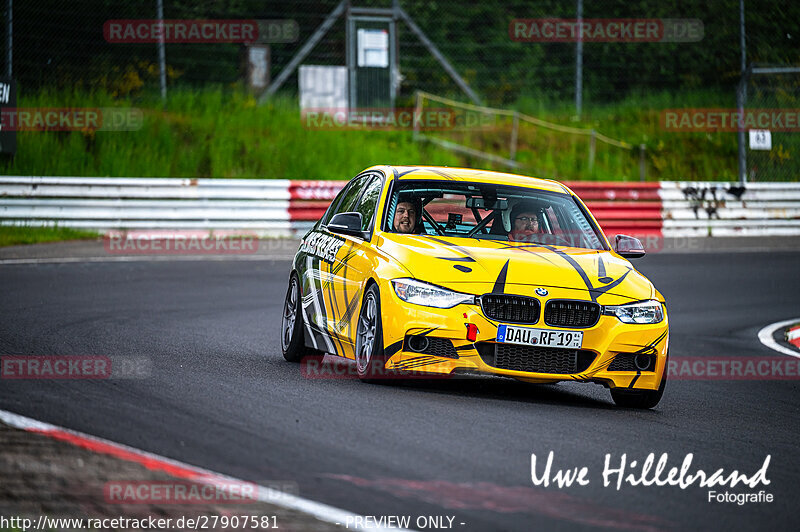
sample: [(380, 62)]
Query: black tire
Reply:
[(641, 398), (292, 343), (370, 358)]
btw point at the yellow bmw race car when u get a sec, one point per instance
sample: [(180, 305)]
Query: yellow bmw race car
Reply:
[(445, 271)]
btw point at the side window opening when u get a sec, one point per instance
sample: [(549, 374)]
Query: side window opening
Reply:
[(332, 207), (368, 203), (346, 199)]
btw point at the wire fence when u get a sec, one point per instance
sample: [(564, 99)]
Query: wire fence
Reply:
[(524, 142), (773, 153), (499, 48), (58, 44)]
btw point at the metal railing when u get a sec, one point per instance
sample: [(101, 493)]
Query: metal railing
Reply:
[(729, 209), (285, 208)]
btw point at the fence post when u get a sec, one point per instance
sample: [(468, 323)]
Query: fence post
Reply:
[(9, 38), (417, 113), (514, 134), (579, 64), (162, 62), (641, 162), (592, 150), (741, 98)]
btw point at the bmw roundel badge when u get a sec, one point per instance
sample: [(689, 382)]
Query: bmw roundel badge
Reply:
[(541, 292)]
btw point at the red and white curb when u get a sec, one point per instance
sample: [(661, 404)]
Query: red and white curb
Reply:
[(793, 336), (323, 512), (765, 335)]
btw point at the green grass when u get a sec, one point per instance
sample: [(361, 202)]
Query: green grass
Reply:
[(222, 132), (211, 133), (16, 235), (634, 120)]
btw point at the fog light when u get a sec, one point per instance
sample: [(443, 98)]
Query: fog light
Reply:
[(418, 344), (642, 362)]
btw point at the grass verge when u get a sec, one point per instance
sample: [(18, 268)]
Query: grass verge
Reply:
[(13, 235), (223, 132)]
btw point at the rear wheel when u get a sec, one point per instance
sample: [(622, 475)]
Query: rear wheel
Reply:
[(641, 398), (370, 359), (292, 343)]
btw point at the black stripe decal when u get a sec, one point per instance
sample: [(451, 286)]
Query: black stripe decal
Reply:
[(417, 365), (593, 292), (500, 283), (524, 248), (424, 332), (454, 246), (350, 310), (393, 349), (650, 349)]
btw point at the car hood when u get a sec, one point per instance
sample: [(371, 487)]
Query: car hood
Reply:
[(479, 266)]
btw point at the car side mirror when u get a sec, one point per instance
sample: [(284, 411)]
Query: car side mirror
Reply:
[(629, 247), (347, 223)]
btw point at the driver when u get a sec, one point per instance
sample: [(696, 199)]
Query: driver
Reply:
[(405, 217), (524, 223)]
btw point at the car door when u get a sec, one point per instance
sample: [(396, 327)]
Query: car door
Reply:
[(319, 247), (346, 275)]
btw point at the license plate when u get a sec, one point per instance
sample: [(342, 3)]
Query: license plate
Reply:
[(511, 334)]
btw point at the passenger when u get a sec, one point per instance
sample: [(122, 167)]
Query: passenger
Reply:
[(524, 223)]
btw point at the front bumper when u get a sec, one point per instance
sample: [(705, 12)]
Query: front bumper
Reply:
[(601, 345)]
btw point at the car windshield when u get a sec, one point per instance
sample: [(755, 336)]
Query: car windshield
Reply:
[(488, 211)]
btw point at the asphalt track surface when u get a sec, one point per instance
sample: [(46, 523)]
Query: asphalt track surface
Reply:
[(220, 396)]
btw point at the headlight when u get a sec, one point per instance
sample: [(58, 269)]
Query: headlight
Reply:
[(644, 312), (420, 293)]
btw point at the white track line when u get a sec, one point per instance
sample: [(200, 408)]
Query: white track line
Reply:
[(765, 335), (323, 512)]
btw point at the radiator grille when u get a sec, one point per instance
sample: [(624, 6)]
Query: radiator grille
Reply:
[(509, 308), (535, 359), (566, 313)]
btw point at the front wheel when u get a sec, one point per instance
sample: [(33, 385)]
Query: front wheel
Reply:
[(370, 360), (641, 398)]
